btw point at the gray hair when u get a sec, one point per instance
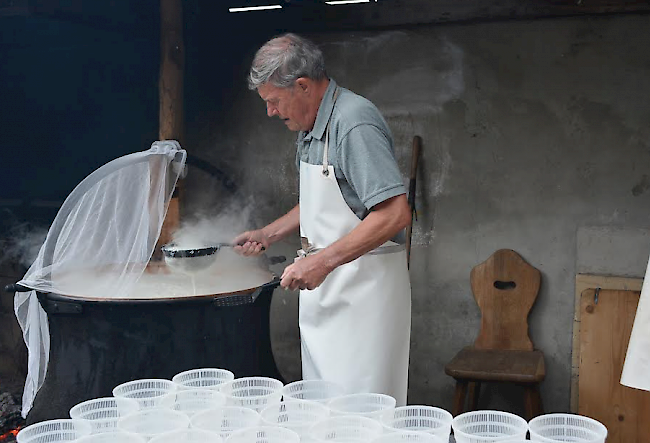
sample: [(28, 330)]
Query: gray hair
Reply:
[(284, 59)]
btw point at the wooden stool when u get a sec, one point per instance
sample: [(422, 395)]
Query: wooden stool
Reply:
[(505, 288)]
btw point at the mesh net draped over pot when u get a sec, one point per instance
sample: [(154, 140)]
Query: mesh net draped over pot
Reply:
[(112, 219)]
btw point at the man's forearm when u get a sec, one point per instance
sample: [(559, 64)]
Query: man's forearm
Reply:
[(282, 227), (379, 226)]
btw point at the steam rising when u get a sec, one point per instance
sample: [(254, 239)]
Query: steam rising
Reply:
[(205, 229), (21, 243)]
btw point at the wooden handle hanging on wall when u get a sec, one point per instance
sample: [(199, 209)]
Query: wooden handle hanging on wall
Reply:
[(415, 158)]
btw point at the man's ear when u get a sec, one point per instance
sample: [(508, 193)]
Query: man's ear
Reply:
[(304, 84)]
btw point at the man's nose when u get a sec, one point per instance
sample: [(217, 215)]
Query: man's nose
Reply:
[(271, 110)]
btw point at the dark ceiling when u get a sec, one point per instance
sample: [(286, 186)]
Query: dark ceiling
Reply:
[(139, 15)]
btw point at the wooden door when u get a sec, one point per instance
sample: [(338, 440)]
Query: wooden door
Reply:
[(605, 329)]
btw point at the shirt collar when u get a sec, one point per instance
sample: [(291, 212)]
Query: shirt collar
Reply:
[(324, 112)]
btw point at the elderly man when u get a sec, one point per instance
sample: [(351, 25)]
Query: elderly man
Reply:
[(355, 299)]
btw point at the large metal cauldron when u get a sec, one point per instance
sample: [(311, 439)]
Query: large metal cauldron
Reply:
[(97, 344)]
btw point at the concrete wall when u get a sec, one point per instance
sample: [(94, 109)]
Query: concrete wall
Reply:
[(536, 138)]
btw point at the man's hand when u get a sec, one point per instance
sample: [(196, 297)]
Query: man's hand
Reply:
[(305, 273), (251, 242)]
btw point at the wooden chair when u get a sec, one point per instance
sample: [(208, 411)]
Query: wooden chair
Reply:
[(505, 288)]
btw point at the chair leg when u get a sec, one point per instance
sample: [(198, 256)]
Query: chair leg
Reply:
[(459, 397), (533, 400), (474, 390)]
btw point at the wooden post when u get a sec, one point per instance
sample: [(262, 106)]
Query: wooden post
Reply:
[(170, 86), (172, 64)]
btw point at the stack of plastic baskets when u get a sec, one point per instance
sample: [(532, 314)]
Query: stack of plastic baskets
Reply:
[(298, 416), (152, 422), (188, 436), (347, 428), (367, 405), (191, 401), (103, 413), (264, 434), (253, 392), (427, 419), (52, 431), (553, 428), (205, 378), (112, 437), (225, 420), (320, 391), (488, 427), (408, 437), (149, 393)]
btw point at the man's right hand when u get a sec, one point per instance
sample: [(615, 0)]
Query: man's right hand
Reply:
[(251, 242)]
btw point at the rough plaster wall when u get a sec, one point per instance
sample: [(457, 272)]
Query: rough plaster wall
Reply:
[(606, 250), (531, 130)]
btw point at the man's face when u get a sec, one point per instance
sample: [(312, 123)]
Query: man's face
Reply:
[(291, 105)]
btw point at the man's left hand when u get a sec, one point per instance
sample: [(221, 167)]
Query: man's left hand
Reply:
[(305, 273)]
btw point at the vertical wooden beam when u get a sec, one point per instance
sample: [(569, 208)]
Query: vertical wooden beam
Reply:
[(172, 65), (170, 86)]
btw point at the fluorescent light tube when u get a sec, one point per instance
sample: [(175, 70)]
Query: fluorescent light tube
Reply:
[(254, 8), (346, 2)]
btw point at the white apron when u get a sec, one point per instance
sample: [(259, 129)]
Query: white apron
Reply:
[(636, 371), (355, 327)]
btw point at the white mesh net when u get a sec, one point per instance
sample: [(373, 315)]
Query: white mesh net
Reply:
[(111, 222)]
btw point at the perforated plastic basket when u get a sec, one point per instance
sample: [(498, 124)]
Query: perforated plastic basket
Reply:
[(551, 428), (113, 437), (204, 378), (188, 436), (152, 422), (149, 393), (192, 401), (345, 428), (225, 420), (428, 419), (103, 413), (51, 431), (298, 416), (409, 436), (253, 392), (321, 391), (368, 405), (488, 426), (264, 434)]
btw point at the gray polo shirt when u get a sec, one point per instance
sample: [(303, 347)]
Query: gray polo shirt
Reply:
[(360, 150)]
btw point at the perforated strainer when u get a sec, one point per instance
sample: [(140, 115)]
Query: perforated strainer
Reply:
[(192, 260)]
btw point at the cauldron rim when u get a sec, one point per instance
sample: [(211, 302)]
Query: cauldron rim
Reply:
[(124, 300)]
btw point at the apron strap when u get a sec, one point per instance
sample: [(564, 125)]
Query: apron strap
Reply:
[(384, 249), (326, 170)]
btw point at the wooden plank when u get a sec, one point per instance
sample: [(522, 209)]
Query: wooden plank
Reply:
[(605, 331), (586, 281)]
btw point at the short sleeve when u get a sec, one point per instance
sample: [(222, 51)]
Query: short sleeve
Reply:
[(369, 166)]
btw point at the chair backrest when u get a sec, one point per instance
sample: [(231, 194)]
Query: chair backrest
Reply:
[(505, 288)]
